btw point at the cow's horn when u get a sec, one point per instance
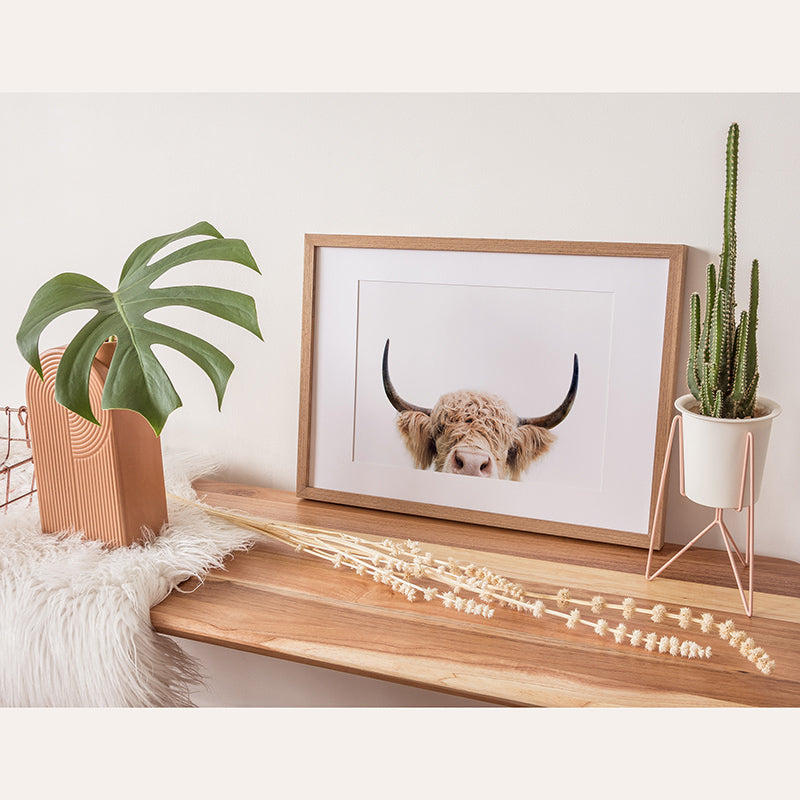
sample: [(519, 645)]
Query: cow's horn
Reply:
[(554, 417), (394, 398)]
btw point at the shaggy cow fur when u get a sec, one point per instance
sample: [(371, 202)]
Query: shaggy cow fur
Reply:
[(473, 433), (476, 421)]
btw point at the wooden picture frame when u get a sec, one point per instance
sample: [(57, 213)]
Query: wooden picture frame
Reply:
[(492, 311)]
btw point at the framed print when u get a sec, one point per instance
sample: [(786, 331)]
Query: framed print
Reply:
[(520, 384)]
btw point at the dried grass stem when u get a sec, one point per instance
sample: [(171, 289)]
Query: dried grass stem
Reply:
[(407, 569)]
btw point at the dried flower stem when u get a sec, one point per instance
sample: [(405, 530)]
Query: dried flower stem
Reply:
[(408, 570), (684, 617)]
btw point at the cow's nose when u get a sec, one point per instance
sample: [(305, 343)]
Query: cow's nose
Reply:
[(473, 462)]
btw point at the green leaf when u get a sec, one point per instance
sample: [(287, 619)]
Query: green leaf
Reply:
[(228, 305), (136, 379), (213, 362), (145, 251), (60, 295), (136, 372), (234, 250), (72, 378)]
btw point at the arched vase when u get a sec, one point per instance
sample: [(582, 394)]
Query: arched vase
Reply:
[(105, 480)]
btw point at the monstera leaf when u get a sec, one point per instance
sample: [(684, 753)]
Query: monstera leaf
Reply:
[(136, 380)]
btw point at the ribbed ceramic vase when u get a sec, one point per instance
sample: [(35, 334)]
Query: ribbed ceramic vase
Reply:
[(714, 453), (105, 480)]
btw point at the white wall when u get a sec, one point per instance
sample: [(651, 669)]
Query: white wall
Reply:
[(87, 177)]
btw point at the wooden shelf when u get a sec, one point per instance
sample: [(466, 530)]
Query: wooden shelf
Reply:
[(274, 601)]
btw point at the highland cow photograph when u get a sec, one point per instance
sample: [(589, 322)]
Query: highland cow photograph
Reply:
[(521, 385), (493, 384)]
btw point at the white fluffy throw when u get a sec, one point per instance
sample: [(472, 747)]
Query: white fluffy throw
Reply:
[(75, 616)]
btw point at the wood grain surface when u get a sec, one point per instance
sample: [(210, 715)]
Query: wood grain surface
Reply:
[(277, 602)]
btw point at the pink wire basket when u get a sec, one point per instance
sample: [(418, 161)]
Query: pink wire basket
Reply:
[(17, 479)]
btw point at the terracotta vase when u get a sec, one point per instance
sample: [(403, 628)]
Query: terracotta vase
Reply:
[(105, 480)]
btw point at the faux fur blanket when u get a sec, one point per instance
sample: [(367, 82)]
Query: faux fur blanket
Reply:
[(75, 616)]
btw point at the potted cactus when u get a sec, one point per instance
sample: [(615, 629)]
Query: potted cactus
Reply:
[(722, 374), (98, 405)]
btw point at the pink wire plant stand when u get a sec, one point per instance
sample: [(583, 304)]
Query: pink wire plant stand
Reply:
[(10, 464), (747, 559)]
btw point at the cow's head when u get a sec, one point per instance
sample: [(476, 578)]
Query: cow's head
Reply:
[(473, 433)]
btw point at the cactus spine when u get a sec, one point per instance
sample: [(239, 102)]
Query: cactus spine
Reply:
[(723, 360)]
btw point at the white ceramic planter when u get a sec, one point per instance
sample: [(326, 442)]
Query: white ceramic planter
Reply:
[(714, 450)]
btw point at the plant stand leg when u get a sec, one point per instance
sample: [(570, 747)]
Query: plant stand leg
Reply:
[(730, 545)]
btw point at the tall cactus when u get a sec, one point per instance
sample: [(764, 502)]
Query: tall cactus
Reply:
[(723, 359)]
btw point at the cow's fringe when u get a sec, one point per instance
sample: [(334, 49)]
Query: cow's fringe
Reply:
[(529, 443), (418, 437)]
